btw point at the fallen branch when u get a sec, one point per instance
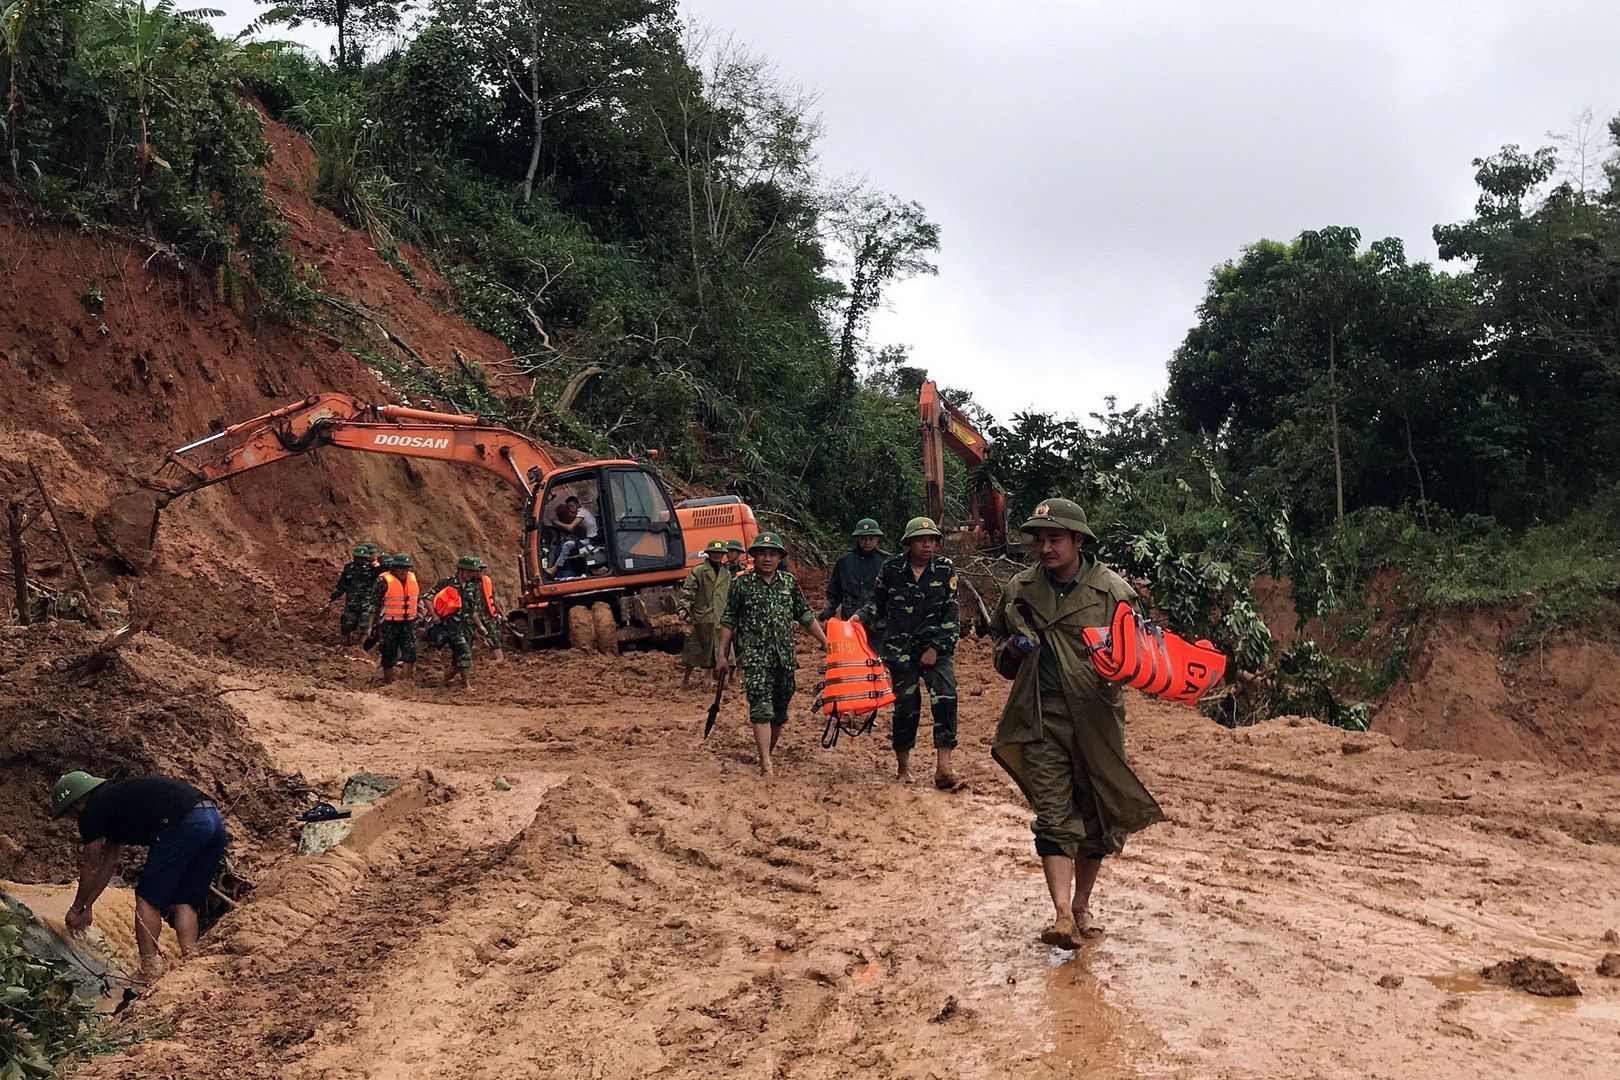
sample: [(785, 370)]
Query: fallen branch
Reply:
[(67, 546), (102, 656), (358, 312)]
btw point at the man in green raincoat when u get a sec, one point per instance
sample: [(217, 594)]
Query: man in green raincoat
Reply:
[(1062, 733), (702, 602)]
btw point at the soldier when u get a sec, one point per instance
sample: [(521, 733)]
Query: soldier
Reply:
[(764, 604), (914, 601), (702, 602), (489, 615), (457, 613), (1062, 733), (396, 598), (735, 550), (855, 575), (356, 585)]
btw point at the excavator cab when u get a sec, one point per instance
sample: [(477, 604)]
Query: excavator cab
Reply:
[(604, 520)]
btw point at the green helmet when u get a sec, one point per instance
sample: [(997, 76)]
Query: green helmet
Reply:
[(364, 551), (866, 527), (768, 541), (1059, 514), (919, 527), (467, 562), (70, 789), (402, 560), (736, 545), (482, 565), (716, 547)]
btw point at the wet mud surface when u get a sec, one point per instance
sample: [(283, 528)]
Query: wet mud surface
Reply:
[(641, 904)]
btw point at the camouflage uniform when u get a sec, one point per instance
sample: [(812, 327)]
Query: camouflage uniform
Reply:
[(461, 628), (764, 613), (918, 613), (358, 587)]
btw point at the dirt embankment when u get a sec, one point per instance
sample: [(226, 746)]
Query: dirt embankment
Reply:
[(113, 355), (1468, 686)]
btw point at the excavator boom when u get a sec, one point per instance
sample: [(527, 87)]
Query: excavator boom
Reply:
[(641, 548), (347, 422)]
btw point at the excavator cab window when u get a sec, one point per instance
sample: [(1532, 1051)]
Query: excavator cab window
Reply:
[(631, 525), (646, 535)]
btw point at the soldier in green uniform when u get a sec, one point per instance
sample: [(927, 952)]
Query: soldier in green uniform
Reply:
[(461, 624), (1062, 733), (393, 612), (702, 602), (489, 615), (735, 550), (914, 601), (855, 575), (764, 605), (357, 585)]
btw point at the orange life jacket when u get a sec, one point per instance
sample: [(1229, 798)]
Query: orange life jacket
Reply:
[(489, 597), (854, 680), (401, 597), (447, 601), (1138, 652)]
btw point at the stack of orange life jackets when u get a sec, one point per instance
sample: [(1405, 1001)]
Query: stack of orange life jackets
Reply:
[(854, 681), (1136, 651)]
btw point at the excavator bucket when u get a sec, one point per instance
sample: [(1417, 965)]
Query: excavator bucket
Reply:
[(128, 526)]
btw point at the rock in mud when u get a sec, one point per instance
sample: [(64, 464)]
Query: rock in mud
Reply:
[(1390, 982), (1533, 976), (1609, 966)]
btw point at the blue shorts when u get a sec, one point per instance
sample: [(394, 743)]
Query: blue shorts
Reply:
[(183, 860)]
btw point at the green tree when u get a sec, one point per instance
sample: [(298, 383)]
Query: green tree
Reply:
[(357, 23)]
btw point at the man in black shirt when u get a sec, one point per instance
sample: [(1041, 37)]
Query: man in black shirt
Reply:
[(186, 835)]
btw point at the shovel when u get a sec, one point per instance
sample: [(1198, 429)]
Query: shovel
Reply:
[(714, 710)]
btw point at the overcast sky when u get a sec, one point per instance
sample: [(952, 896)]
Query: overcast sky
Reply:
[(1090, 162)]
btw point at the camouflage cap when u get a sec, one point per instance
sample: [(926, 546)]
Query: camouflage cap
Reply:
[(919, 527), (466, 562), (1063, 514), (867, 527), (716, 547), (736, 545), (768, 541)]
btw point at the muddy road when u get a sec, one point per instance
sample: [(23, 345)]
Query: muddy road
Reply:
[(641, 904)]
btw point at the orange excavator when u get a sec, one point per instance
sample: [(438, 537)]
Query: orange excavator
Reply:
[(946, 426), (615, 588)]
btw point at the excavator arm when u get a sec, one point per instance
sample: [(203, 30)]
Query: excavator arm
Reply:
[(347, 422), (944, 426)]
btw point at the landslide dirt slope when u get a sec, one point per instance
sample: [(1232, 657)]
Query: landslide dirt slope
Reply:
[(97, 391), (640, 904)]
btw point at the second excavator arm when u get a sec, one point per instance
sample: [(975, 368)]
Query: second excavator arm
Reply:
[(944, 425)]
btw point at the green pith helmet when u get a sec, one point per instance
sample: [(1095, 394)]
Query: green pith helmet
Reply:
[(1059, 514), (70, 789), (364, 551), (716, 547), (402, 560), (466, 562), (768, 541), (866, 527), (736, 545), (482, 565), (920, 527)]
